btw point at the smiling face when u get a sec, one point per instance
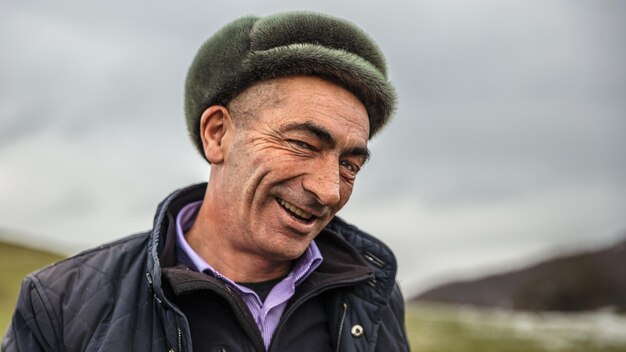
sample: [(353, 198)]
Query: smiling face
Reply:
[(288, 169)]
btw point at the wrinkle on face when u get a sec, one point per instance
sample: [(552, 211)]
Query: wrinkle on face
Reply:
[(292, 149)]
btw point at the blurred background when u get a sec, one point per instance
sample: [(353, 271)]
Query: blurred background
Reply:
[(507, 150)]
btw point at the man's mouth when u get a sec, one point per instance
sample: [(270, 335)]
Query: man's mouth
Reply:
[(295, 211)]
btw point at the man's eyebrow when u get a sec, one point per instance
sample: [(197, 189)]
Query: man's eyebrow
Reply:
[(359, 152), (309, 127), (325, 136)]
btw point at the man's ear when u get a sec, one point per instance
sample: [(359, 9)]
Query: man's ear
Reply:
[(215, 122)]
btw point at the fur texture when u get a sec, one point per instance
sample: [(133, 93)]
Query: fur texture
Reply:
[(253, 49)]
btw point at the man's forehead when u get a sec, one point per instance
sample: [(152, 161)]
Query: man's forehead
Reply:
[(315, 96), (309, 86)]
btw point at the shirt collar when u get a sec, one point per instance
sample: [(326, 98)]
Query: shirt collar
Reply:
[(302, 268)]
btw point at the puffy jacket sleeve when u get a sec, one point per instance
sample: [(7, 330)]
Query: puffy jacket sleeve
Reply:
[(392, 332), (33, 325)]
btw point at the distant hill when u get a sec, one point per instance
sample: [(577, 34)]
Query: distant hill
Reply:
[(576, 282)]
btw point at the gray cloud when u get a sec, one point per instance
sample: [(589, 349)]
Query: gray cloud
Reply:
[(508, 142)]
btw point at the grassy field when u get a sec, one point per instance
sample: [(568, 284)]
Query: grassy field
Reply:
[(431, 328), (434, 328), (15, 263)]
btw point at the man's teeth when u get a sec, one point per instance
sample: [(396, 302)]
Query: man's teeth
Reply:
[(301, 213)]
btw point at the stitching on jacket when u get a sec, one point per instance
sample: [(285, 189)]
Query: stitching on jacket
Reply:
[(39, 290)]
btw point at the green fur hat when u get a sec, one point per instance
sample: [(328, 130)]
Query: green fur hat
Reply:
[(252, 49)]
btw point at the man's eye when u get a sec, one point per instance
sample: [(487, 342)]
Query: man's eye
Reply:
[(300, 144), (350, 166)]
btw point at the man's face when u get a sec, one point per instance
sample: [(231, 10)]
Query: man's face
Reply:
[(289, 170)]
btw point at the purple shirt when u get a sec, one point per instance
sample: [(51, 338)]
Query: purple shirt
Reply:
[(266, 314)]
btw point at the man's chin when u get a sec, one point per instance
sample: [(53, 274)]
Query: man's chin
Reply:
[(291, 248)]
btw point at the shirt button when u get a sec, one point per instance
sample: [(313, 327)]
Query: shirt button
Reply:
[(357, 330)]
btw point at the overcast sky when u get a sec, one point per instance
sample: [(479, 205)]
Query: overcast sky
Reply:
[(508, 145)]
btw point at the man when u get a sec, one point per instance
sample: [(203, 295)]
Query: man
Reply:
[(282, 108)]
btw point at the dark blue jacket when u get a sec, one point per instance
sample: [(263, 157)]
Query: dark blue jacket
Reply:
[(120, 296)]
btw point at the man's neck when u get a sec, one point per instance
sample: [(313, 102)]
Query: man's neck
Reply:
[(209, 242)]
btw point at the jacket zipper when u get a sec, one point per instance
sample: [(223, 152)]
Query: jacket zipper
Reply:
[(180, 339), (342, 321), (161, 303), (289, 312), (227, 294)]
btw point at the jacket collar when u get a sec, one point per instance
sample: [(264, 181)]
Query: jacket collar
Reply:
[(348, 252)]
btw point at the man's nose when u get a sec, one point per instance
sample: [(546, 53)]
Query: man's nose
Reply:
[(324, 183)]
